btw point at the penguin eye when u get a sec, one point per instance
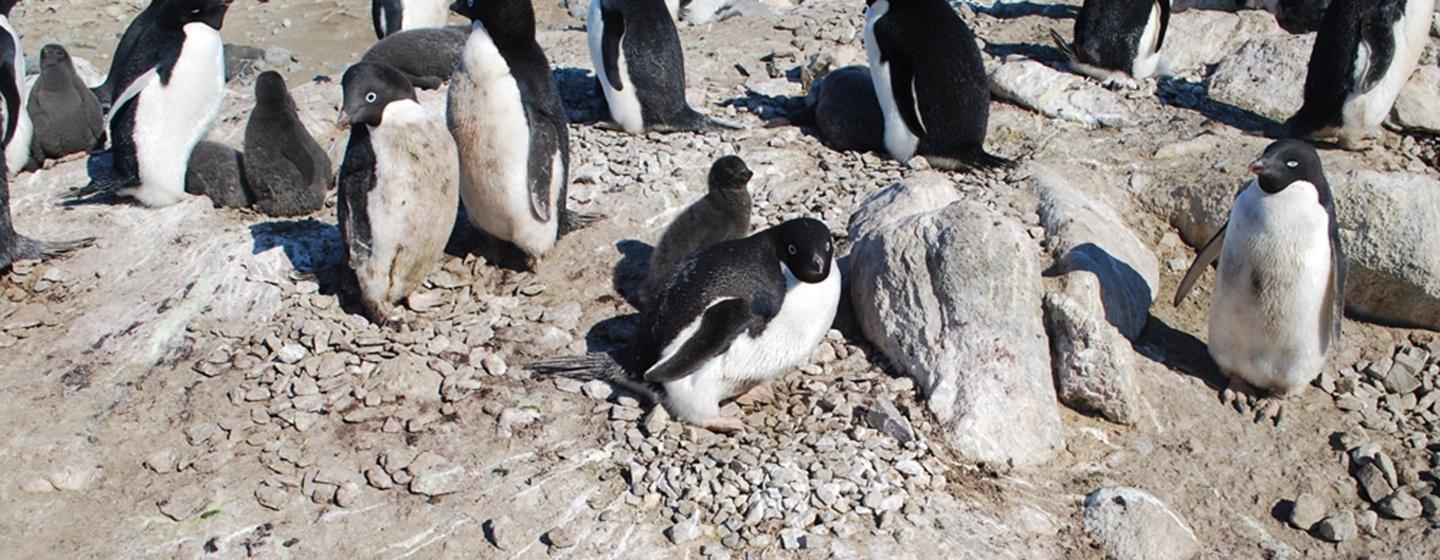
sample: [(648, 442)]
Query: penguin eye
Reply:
[(370, 97), (791, 249), (1292, 164)]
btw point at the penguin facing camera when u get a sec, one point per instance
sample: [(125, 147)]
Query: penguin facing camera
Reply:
[(65, 114)]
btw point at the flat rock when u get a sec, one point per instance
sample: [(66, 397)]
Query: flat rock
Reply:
[(1199, 38), (1337, 528), (434, 475), (1265, 76), (1308, 510), (1417, 108), (1400, 505), (409, 377), (1092, 362), (1386, 224), (1132, 524), (1053, 93)]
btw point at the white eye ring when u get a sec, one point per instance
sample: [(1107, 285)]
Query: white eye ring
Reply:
[(470, 3), (370, 97), (1292, 164), (791, 249)]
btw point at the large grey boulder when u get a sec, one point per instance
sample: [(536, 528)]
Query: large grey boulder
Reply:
[(1093, 362), (1266, 76), (1199, 38), (1418, 106), (1084, 233), (1052, 93), (1132, 524), (1388, 225), (950, 291)]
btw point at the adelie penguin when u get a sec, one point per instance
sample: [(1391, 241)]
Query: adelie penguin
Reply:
[(65, 115), (170, 81), (427, 57), (398, 186), (1279, 292), (285, 169), (636, 52), (843, 108), (721, 215), (18, 128), (393, 16), (505, 113), (1364, 53), (931, 83), (1117, 40), (733, 316)]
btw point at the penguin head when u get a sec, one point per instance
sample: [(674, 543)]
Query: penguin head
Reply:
[(179, 13), (729, 173), (53, 56), (1285, 162), (6, 6), (368, 88), (804, 248), (501, 17), (270, 89)]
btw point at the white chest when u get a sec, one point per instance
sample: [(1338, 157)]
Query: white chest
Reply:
[(1365, 110), (900, 142), (625, 103), (172, 117), (423, 13)]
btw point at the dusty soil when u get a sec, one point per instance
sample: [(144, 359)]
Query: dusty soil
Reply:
[(150, 385)]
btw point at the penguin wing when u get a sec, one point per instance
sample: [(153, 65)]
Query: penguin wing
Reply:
[(131, 91), (720, 324), (9, 89), (614, 28), (902, 74), (1377, 37), (1164, 23), (357, 179), (1332, 316), (1207, 255)]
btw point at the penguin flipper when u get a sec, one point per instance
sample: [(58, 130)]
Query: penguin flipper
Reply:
[(1208, 254), (571, 221), (9, 91), (614, 23), (1063, 46), (1377, 34), (722, 322), (1164, 23), (902, 76), (1333, 314), (799, 117), (131, 91)]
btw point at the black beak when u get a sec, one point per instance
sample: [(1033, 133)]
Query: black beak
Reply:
[(457, 6), (1258, 166)]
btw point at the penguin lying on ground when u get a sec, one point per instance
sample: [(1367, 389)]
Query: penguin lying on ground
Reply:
[(398, 186), (285, 169), (731, 317), (427, 57), (1279, 292), (931, 83), (217, 171), (721, 215), (393, 16), (1117, 40), (638, 60), (64, 112), (1364, 53), (843, 108)]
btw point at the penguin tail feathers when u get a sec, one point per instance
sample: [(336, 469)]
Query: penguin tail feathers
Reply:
[(972, 160), (593, 367), (91, 190), (572, 221), (691, 121), (801, 117), (30, 249), (1063, 46)]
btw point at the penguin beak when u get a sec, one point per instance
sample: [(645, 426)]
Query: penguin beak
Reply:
[(343, 122), (1257, 167), (457, 6)]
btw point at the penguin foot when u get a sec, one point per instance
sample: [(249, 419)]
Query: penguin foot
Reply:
[(1119, 81), (759, 394), (1246, 399), (724, 425)]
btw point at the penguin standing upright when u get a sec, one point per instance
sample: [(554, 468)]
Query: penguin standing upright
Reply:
[(641, 67), (65, 115), (1364, 53), (731, 317), (721, 215), (1116, 40), (505, 112), (285, 169), (931, 83), (398, 187), (1280, 290), (169, 91), (393, 16), (18, 129)]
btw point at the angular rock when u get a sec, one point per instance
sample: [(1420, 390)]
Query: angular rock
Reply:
[(1132, 524), (1386, 224), (1199, 38), (1337, 528), (409, 377), (1418, 108), (1265, 76), (885, 417), (1052, 93), (1400, 505), (434, 475), (950, 292), (1091, 360), (1309, 509), (1373, 485)]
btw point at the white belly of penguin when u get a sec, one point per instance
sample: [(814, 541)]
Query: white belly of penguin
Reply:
[(17, 152), (625, 104), (1271, 337), (1364, 111), (488, 120), (418, 14), (900, 142), (788, 339), (1147, 57), (171, 118)]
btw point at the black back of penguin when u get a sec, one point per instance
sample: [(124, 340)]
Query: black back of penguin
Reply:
[(65, 113), (1332, 75), (386, 16), (847, 111), (285, 168), (748, 269), (10, 80), (426, 56), (654, 59), (721, 215), (1108, 32)]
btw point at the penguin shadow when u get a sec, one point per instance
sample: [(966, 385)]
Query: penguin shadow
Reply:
[(1179, 351), (1196, 97), (100, 169), (581, 95), (765, 106), (1016, 10), (466, 239), (313, 248), (630, 274), (1044, 53)]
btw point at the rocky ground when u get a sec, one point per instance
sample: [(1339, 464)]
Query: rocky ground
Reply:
[(198, 384)]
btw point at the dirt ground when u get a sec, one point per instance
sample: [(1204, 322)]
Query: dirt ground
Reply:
[(152, 382)]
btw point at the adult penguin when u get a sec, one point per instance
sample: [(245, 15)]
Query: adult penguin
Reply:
[(65, 114), (731, 317), (1117, 40), (285, 169), (505, 112), (170, 87), (393, 16), (1364, 53), (1280, 291), (931, 83), (639, 62), (18, 129)]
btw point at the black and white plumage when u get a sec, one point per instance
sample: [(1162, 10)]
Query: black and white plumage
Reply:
[(169, 82), (1279, 294), (1116, 40), (398, 186), (393, 16), (426, 56), (842, 106), (639, 62), (721, 215), (505, 113), (931, 83), (18, 129), (1364, 53), (217, 171), (731, 317), (65, 114), (285, 168)]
